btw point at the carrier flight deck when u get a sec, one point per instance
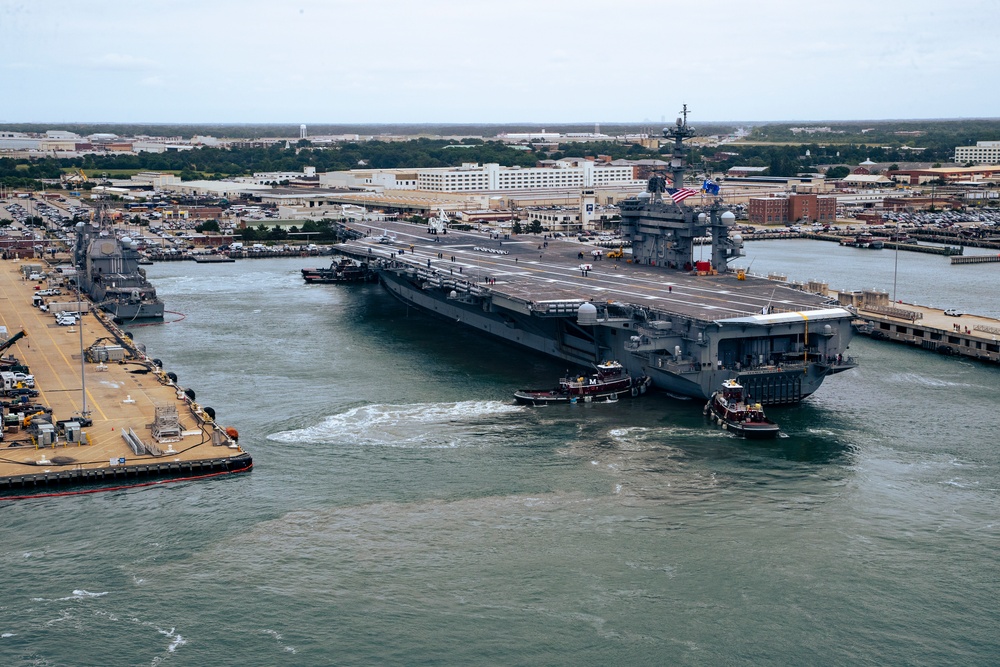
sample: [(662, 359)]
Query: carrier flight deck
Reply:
[(671, 309)]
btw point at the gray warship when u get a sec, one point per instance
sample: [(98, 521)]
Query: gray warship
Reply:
[(687, 324), (108, 271)]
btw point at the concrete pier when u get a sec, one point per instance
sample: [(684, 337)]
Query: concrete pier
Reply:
[(975, 259), (969, 336), (145, 425)]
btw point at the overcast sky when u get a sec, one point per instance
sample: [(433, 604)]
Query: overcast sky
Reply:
[(398, 61)]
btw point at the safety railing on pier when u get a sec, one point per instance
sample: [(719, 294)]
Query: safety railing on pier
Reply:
[(899, 313)]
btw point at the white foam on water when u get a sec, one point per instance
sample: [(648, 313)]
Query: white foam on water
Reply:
[(924, 381), (78, 594), (420, 425), (81, 594), (177, 640), (5, 635), (277, 637)]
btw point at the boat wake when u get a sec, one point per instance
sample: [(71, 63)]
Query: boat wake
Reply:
[(930, 382), (419, 425), (77, 595)]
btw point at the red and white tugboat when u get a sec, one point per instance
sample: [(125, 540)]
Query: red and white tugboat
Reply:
[(734, 412), (610, 383)]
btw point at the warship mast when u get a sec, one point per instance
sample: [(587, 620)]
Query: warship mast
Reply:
[(663, 230)]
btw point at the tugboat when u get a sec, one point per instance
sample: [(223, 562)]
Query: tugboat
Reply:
[(863, 240), (344, 271), (609, 383), (733, 412)]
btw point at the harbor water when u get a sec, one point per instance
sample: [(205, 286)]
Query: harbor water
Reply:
[(404, 511)]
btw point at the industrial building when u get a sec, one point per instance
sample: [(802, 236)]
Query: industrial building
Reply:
[(945, 174)]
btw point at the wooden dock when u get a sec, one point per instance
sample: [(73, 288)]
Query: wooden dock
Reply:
[(144, 425)]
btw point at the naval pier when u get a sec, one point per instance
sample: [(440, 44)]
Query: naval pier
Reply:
[(96, 412)]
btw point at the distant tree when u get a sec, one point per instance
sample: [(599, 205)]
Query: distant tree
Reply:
[(893, 167), (535, 227), (836, 173), (516, 227), (207, 226)]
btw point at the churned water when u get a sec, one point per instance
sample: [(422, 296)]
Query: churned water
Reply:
[(404, 511)]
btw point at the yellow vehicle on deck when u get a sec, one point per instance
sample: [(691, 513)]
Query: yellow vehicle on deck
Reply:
[(617, 253)]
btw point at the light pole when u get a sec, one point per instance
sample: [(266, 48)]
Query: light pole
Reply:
[(83, 362)]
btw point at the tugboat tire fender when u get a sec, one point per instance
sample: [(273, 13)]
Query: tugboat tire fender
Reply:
[(172, 376)]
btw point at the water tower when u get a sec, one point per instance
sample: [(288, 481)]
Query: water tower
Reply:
[(302, 131)]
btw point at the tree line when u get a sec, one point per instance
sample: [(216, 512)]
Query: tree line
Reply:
[(880, 141)]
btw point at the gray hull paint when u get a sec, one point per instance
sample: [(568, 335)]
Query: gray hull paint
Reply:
[(692, 370)]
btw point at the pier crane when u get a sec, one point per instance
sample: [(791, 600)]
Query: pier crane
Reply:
[(13, 339)]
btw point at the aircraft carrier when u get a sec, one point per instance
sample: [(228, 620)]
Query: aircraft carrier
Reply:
[(687, 323)]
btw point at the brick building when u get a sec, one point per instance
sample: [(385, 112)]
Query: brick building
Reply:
[(793, 208)]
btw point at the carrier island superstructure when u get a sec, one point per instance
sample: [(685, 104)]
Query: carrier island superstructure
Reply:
[(687, 323)]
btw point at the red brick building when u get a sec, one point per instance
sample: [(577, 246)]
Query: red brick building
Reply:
[(793, 208)]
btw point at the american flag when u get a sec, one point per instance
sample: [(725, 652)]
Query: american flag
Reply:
[(679, 195)]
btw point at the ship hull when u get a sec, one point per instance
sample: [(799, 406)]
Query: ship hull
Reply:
[(127, 312), (563, 339)]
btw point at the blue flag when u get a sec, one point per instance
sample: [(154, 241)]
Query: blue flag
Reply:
[(710, 186)]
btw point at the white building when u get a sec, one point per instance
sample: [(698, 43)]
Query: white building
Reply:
[(371, 179), (146, 146), (566, 173), (157, 180), (227, 189), (268, 177), (984, 152)]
